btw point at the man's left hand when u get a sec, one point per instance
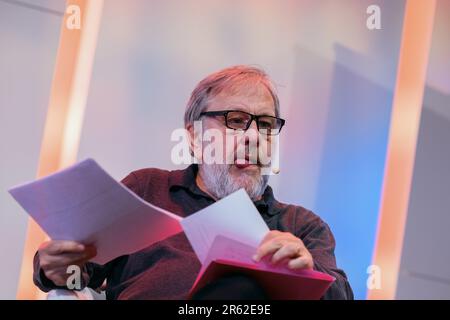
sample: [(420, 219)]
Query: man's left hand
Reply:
[(286, 248)]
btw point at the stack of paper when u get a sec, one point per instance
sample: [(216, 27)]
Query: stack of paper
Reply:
[(85, 204)]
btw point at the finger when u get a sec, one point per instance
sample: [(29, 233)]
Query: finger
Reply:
[(65, 259), (302, 262), (273, 244), (267, 248), (289, 250), (70, 260), (63, 246), (58, 276), (270, 235)]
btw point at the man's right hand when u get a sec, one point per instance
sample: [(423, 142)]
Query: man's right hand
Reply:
[(57, 255)]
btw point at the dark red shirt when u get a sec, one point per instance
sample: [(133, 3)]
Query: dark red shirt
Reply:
[(167, 269)]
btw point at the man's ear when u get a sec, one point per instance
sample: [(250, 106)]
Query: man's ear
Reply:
[(195, 133)]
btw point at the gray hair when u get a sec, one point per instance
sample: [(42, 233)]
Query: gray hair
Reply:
[(215, 83)]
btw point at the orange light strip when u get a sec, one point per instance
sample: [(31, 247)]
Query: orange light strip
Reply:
[(405, 120), (64, 117)]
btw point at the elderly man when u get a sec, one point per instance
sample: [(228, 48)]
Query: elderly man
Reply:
[(234, 100)]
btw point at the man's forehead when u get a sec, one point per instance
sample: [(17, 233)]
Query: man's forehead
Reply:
[(254, 99)]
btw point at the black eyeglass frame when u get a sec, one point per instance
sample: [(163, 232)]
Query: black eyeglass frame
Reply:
[(224, 113)]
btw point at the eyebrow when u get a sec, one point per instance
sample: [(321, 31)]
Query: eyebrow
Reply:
[(240, 108)]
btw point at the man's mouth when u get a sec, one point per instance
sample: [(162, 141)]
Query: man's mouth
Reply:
[(245, 162)]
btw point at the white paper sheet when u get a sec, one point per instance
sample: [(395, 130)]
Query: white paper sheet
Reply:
[(234, 217), (83, 203)]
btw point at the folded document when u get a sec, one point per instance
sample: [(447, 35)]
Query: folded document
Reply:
[(84, 203)]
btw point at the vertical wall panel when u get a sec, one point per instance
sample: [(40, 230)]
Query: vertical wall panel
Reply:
[(28, 44)]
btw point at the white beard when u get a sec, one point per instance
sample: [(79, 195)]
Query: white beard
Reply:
[(219, 182)]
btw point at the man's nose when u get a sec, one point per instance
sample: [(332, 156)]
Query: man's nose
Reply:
[(252, 134)]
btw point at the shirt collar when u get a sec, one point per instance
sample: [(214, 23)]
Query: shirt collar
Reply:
[(186, 179)]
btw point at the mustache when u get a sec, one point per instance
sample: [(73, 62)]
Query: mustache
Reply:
[(252, 157)]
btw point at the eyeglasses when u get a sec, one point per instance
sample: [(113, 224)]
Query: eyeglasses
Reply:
[(241, 120)]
